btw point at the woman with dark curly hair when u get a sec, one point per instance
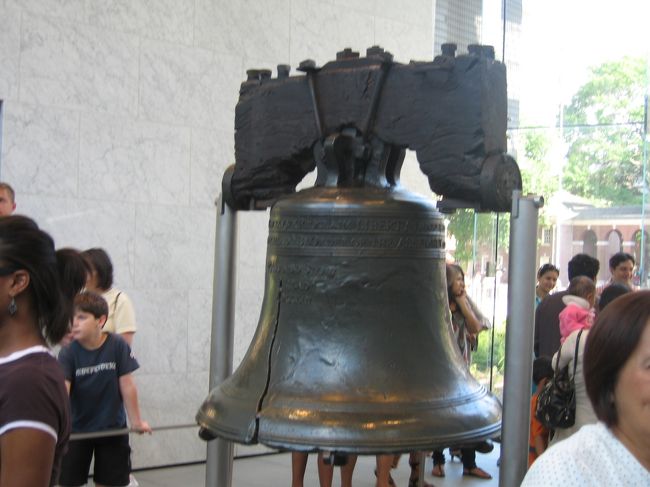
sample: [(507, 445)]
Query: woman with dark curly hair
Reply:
[(35, 308)]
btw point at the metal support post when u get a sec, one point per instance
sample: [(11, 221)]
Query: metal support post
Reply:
[(519, 338), (218, 469)]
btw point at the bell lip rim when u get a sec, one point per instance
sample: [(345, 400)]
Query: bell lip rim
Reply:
[(481, 434), (475, 435)]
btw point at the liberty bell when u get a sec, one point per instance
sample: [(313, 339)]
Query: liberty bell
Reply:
[(354, 350)]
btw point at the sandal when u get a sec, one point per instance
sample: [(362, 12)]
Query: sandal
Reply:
[(415, 466), (415, 483), (477, 472), (438, 471)]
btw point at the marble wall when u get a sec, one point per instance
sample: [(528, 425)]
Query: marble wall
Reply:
[(117, 124)]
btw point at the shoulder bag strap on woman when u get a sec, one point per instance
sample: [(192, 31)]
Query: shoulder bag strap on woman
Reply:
[(557, 359), (117, 297), (575, 356)]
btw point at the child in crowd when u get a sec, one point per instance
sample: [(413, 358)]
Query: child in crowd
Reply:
[(98, 375), (539, 435), (579, 311), (610, 293)]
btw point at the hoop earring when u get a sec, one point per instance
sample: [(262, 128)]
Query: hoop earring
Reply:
[(13, 308)]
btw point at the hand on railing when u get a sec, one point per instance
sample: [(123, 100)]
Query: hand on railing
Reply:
[(141, 428)]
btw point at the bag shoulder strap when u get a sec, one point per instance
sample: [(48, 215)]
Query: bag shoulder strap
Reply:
[(575, 355), (557, 359), (118, 295)]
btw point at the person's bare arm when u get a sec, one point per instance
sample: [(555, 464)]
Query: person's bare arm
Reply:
[(26, 458), (472, 322), (130, 395), (128, 337), (540, 444), (67, 386)]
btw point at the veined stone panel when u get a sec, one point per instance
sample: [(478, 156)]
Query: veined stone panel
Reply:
[(40, 150), (188, 85), (77, 66), (79, 223), (134, 161), (403, 41), (320, 30), (199, 328), (168, 388), (418, 13), (167, 447), (160, 344), (174, 247), (174, 394), (412, 176), (251, 252), (72, 10), (9, 53), (367, 7), (166, 20), (212, 152), (247, 28)]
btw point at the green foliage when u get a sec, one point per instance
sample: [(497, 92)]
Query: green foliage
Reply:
[(461, 226), (604, 163), (536, 165), (481, 357)]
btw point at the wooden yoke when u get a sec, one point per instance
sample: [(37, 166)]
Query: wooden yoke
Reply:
[(452, 112)]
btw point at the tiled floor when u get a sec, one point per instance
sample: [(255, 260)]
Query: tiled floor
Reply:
[(275, 471)]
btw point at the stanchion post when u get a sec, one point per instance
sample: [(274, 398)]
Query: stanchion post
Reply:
[(218, 468), (519, 338)]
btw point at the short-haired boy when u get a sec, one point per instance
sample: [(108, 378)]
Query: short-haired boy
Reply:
[(98, 375)]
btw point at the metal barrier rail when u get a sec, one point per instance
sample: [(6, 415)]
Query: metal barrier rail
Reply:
[(124, 431)]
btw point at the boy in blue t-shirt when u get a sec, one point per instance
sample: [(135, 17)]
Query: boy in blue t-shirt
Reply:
[(97, 368)]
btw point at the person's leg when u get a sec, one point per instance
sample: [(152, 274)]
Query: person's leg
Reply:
[(298, 467), (438, 463), (347, 470), (384, 464), (112, 461), (75, 465), (468, 457), (325, 472), (414, 462)]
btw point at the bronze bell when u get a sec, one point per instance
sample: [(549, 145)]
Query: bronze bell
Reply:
[(354, 350)]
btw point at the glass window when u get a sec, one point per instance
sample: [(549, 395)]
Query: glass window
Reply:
[(578, 84)]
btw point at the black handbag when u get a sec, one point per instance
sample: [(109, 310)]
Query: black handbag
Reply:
[(556, 402)]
